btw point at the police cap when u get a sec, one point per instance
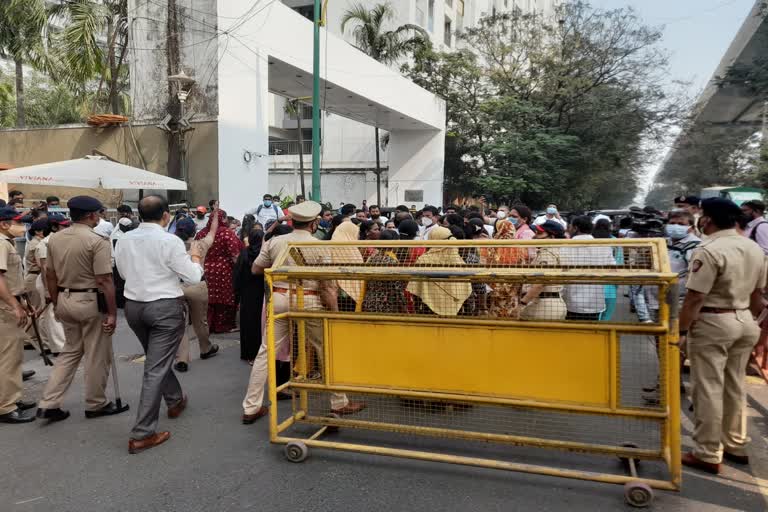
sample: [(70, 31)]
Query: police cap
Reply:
[(8, 213), (306, 211), (39, 225), (85, 203), (57, 218), (691, 200)]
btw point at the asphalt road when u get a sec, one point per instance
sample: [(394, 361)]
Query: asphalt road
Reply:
[(214, 463)]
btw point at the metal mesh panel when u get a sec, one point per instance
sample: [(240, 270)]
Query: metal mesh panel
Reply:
[(503, 420), (640, 385)]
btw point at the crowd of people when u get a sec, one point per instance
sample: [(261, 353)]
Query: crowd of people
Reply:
[(207, 266)]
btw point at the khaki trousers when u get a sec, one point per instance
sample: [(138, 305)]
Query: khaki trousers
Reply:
[(38, 302), (79, 314), (718, 349), (254, 397), (10, 361), (196, 296)]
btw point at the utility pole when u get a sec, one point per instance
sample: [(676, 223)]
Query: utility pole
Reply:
[(316, 107)]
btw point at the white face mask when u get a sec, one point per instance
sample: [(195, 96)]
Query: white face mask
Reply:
[(426, 222), (501, 214)]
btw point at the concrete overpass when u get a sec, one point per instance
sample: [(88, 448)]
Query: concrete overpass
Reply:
[(725, 114)]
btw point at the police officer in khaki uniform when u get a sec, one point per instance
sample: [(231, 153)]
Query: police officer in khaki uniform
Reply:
[(725, 282), (196, 295), (12, 320), (318, 296), (78, 265), (37, 229)]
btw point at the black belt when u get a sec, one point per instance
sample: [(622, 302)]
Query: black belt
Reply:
[(549, 295), (719, 311), (78, 290), (33, 272)]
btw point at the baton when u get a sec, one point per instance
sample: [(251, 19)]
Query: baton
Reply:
[(31, 313), (118, 400)]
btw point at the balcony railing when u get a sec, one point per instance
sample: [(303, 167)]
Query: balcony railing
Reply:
[(290, 147), (305, 110)]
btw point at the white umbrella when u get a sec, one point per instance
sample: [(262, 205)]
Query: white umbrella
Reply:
[(91, 172)]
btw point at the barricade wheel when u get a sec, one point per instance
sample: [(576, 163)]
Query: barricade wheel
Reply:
[(638, 494), (296, 451)]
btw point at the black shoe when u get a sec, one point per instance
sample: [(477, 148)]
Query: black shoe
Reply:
[(52, 414), (108, 410), (24, 405), (181, 366), (29, 346), (210, 353), (17, 416), (27, 374), (47, 352)]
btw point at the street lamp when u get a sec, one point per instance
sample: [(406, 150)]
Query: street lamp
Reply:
[(184, 86)]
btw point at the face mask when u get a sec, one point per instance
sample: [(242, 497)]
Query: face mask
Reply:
[(623, 232), (325, 224), (426, 222), (501, 215), (16, 230), (514, 220), (267, 203), (551, 211), (676, 231)]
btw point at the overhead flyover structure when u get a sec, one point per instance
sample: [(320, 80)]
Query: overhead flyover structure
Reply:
[(725, 114), (271, 51)]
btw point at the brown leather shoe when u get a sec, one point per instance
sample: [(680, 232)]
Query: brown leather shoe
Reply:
[(139, 445), (251, 418), (350, 408), (692, 461), (175, 410), (738, 459)]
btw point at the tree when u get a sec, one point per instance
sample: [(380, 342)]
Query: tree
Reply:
[(385, 46), (553, 110), (22, 23), (293, 107), (80, 50), (47, 103)]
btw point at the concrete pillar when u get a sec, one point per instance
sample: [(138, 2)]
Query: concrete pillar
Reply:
[(243, 125), (416, 162)]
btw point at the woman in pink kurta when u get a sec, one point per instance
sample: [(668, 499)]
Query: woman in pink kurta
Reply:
[(219, 263)]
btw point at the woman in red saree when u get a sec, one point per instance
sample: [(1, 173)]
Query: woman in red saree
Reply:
[(219, 264)]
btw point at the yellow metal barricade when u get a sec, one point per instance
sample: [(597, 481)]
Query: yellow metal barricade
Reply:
[(430, 340)]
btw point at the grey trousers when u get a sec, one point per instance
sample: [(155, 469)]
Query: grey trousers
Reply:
[(159, 325)]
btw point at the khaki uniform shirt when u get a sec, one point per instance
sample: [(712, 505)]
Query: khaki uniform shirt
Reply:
[(728, 268), (77, 255), (10, 265), (30, 262), (275, 246)]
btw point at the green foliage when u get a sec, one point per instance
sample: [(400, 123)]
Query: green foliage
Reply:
[(551, 110), (47, 103), (371, 38)]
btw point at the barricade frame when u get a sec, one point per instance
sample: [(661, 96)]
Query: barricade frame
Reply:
[(665, 331)]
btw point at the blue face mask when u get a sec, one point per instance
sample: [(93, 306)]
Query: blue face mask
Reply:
[(267, 203), (514, 220), (325, 224), (551, 211), (676, 231)]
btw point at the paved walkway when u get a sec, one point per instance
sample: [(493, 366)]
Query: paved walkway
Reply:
[(214, 463)]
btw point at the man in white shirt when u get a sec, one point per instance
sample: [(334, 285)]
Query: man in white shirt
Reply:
[(551, 214), (757, 229), (585, 302), (429, 218), (267, 211), (152, 262)]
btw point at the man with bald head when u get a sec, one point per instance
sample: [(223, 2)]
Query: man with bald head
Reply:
[(153, 261)]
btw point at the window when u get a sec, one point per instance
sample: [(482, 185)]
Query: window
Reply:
[(431, 15), (447, 32), (460, 8), (420, 16), (414, 196)]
